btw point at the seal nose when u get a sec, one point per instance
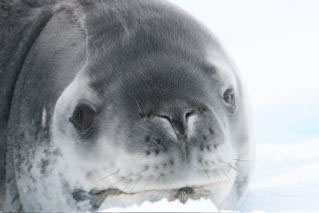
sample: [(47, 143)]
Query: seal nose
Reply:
[(177, 117)]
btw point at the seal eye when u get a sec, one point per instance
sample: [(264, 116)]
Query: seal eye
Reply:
[(230, 99), (83, 117)]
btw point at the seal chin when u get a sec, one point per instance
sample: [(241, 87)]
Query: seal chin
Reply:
[(97, 198)]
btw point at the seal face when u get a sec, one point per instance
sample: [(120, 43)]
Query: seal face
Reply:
[(154, 110)]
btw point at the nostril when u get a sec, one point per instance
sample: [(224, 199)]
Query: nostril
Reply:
[(188, 114), (202, 109), (162, 116)]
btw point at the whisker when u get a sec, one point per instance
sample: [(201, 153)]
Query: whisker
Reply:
[(133, 185), (207, 175), (144, 128), (242, 160), (114, 173), (139, 108), (152, 139), (229, 174), (236, 169), (226, 175), (141, 171), (157, 144), (219, 175), (231, 166)]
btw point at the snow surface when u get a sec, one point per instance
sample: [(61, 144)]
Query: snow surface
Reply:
[(201, 205), (286, 178)]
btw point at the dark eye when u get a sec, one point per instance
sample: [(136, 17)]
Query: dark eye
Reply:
[(82, 117), (230, 98)]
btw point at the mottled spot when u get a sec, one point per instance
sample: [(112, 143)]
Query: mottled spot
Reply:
[(147, 138), (171, 162), (89, 174), (146, 167), (57, 152), (44, 165), (201, 147), (202, 109), (29, 168), (80, 195), (157, 152), (15, 198)]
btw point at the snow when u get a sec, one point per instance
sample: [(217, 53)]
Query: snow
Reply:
[(201, 205), (286, 178)]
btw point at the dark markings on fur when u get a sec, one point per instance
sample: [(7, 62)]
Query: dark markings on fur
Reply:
[(44, 164), (240, 185), (15, 198), (95, 197), (17, 35), (183, 194)]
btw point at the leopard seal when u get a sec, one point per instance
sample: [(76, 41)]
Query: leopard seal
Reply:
[(113, 103)]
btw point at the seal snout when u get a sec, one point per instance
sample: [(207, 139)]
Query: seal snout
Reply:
[(179, 120), (179, 126), (176, 121)]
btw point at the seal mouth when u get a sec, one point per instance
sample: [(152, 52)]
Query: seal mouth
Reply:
[(96, 197)]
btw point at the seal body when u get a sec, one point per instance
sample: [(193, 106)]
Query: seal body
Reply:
[(113, 103)]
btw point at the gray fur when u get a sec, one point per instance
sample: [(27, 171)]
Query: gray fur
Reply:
[(142, 58)]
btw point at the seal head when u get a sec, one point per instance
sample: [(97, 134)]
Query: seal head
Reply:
[(156, 110)]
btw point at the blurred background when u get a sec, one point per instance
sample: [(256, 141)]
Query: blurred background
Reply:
[(275, 45)]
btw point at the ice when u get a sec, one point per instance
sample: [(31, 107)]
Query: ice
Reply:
[(286, 178), (201, 205)]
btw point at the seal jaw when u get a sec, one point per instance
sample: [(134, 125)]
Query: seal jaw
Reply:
[(97, 198)]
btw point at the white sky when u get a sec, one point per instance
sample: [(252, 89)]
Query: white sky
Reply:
[(275, 45)]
